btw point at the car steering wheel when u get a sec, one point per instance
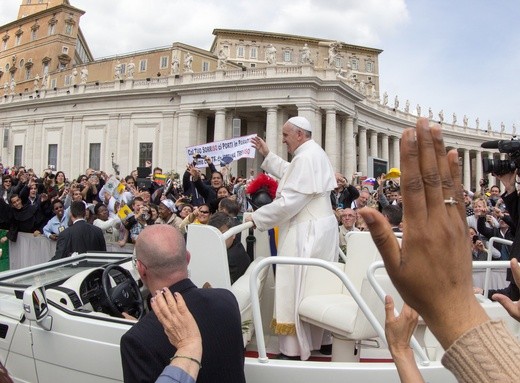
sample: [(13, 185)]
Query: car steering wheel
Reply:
[(125, 296)]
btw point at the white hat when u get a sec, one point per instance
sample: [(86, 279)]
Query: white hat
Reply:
[(301, 122), (169, 204)]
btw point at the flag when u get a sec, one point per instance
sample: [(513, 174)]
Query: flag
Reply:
[(159, 179), (124, 212)]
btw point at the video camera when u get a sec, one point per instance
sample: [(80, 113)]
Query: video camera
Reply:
[(501, 167)]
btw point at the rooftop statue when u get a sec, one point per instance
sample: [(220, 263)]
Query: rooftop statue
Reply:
[(188, 62), (175, 65), (130, 69), (117, 70), (73, 76), (84, 75), (270, 54), (306, 55), (222, 59)]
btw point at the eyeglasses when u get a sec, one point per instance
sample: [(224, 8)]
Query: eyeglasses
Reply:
[(204, 211), (135, 260)]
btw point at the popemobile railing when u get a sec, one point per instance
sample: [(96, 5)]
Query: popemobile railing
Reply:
[(257, 318)]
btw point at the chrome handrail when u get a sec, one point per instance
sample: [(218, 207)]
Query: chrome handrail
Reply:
[(425, 361), (255, 302)]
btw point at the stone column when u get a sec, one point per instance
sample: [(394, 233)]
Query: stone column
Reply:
[(317, 134), (331, 138), (125, 148), (363, 157), (349, 160), (384, 147), (467, 170), (396, 160), (492, 180), (271, 129), (478, 167), (166, 141), (309, 112), (373, 143), (111, 144), (65, 148), (220, 125), (186, 134), (39, 152)]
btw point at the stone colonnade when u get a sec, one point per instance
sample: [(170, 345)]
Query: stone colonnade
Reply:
[(347, 143)]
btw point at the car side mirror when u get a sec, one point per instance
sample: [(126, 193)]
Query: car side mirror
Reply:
[(35, 303)]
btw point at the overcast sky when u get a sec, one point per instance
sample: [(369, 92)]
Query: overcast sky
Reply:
[(459, 56)]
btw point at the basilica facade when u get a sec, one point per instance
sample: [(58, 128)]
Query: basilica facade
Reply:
[(60, 106)]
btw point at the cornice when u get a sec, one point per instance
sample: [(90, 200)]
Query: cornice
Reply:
[(261, 35)]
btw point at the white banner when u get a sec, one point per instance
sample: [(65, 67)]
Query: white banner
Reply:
[(221, 152)]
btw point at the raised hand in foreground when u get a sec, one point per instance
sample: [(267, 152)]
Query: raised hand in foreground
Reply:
[(181, 329)]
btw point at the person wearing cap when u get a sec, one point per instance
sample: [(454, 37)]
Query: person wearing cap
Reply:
[(307, 225), (166, 214)]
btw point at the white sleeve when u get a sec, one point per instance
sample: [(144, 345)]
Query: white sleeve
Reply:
[(281, 210)]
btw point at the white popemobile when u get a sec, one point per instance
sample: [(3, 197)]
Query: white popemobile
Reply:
[(59, 321)]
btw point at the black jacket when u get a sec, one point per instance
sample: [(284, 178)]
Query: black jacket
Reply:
[(512, 202), (145, 349), (346, 197), (81, 237)]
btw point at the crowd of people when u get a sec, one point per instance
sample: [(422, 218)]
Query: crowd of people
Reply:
[(313, 214)]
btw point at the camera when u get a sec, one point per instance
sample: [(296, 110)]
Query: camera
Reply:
[(390, 185), (475, 238), (501, 167)]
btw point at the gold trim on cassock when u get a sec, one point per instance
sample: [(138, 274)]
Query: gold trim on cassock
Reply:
[(283, 328)]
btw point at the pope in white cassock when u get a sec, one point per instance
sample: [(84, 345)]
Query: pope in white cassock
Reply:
[(307, 227)]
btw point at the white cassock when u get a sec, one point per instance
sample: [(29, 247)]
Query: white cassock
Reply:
[(307, 228)]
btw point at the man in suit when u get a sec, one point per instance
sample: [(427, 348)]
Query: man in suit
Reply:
[(238, 260), (394, 215), (162, 261), (81, 236)]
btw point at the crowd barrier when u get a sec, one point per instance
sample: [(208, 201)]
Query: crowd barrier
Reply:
[(29, 250), (497, 279)]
